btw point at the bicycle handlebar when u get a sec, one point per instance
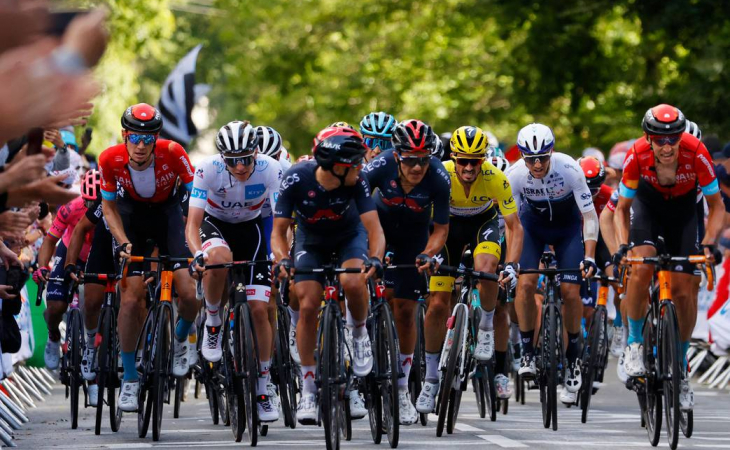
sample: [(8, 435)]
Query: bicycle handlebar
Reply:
[(232, 264), (547, 271), (467, 272), (664, 260)]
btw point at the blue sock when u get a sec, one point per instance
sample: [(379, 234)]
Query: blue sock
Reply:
[(684, 346), (635, 328), (617, 320), (182, 328), (128, 362)]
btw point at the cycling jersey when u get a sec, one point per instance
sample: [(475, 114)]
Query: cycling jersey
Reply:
[(491, 184), (321, 215), (395, 207), (694, 166), (556, 195), (602, 200), (66, 219), (154, 185), (224, 197)]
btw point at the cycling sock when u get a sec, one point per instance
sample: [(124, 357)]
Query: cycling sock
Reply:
[(309, 386), (617, 320), (263, 378), (212, 319), (573, 351), (182, 328), (129, 365), (91, 337), (406, 362), (348, 316), (499, 360), (294, 316), (359, 329), (635, 327), (527, 348), (486, 323), (432, 367), (684, 346), (514, 333)]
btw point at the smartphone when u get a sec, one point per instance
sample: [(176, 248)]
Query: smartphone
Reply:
[(87, 134), (35, 140), (60, 20)]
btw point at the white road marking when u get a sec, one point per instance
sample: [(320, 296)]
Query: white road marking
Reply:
[(465, 427), (502, 441)]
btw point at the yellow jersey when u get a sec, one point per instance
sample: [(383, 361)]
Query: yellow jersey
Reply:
[(490, 186)]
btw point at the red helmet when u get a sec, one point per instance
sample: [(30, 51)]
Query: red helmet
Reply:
[(91, 185), (594, 171), (664, 120), (142, 118), (334, 130), (341, 146), (414, 136)]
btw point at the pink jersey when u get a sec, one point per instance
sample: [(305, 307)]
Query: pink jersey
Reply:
[(65, 221)]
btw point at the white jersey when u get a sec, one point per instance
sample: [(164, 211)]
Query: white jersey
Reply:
[(230, 200), (550, 197), (285, 165)]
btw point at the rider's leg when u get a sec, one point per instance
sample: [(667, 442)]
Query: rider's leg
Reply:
[(572, 315), (93, 298), (129, 324), (488, 290), (637, 294), (188, 306), (260, 318), (309, 293), (684, 295), (214, 283), (435, 326), (526, 310)]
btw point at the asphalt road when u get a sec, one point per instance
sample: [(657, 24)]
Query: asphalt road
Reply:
[(613, 423)]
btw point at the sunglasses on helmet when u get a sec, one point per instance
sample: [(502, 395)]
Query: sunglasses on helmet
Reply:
[(543, 159), (466, 162), (233, 161), (135, 139), (666, 140), (382, 144)]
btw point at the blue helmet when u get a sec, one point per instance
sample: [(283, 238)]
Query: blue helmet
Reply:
[(378, 124)]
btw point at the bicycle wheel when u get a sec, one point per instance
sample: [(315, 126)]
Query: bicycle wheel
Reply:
[(249, 365), (686, 422), (549, 382), (283, 369), (212, 397), (144, 402), (161, 369), (113, 378), (179, 391), (375, 408), (387, 355), (477, 384), (452, 361), (73, 354), (671, 371), (591, 357), (223, 412), (418, 370), (103, 367), (652, 386), (330, 370)]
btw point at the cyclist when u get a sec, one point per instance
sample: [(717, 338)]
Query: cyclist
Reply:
[(57, 303), (411, 185), (377, 131), (224, 225), (555, 203), (334, 213), (478, 189), (139, 202), (660, 177)]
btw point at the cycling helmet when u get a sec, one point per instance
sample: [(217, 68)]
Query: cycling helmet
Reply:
[(594, 152), (664, 120), (338, 146), (594, 171), (500, 163), (535, 139), (69, 138), (237, 137), (142, 118), (269, 140), (91, 185), (492, 141), (469, 141), (693, 129), (340, 125), (414, 136), (438, 150), (378, 124)]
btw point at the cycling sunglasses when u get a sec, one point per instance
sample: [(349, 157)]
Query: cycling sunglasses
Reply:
[(233, 161), (666, 140), (466, 162), (382, 144), (413, 161), (135, 139), (543, 159)]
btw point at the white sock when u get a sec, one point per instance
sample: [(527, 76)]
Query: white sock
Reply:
[(432, 367), (487, 321), (294, 316), (359, 329), (263, 378), (406, 362), (213, 319), (349, 321), (308, 373)]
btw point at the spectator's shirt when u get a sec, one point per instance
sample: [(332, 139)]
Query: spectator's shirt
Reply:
[(156, 184), (65, 221)]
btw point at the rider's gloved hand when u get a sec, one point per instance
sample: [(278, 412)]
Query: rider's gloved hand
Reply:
[(41, 274), (287, 265), (712, 250), (198, 263), (588, 267), (374, 263), (619, 255), (509, 275), (425, 262), (125, 248), (70, 272)]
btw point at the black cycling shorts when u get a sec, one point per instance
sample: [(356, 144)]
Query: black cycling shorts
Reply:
[(101, 257)]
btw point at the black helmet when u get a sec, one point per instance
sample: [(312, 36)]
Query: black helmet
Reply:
[(338, 146), (142, 118), (664, 120), (414, 136)]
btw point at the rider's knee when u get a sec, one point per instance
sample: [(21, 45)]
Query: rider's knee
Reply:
[(259, 311), (219, 255), (352, 285), (439, 304)]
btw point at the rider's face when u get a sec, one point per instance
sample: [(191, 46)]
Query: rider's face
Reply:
[(538, 165), (351, 173), (467, 169), (139, 152), (665, 152), (240, 167), (414, 168)]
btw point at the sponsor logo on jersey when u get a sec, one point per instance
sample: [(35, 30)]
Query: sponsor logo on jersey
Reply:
[(585, 196), (219, 166), (255, 190), (198, 173), (199, 193), (311, 194), (185, 162), (166, 167), (290, 180), (261, 165)]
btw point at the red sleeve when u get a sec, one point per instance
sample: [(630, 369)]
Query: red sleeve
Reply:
[(703, 166), (630, 176), (108, 180), (182, 164)]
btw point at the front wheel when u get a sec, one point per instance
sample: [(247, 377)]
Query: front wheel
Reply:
[(387, 356), (671, 370), (161, 365), (450, 372)]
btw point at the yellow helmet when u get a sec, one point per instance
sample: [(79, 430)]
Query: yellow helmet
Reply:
[(469, 142)]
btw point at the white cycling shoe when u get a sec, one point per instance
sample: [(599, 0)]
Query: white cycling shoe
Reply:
[(501, 382), (426, 401), (362, 362), (93, 392), (634, 360), (52, 354), (686, 396), (618, 342), (620, 370), (485, 345), (267, 411), (293, 349), (357, 405), (407, 411), (87, 363), (180, 365), (273, 395), (211, 348), (128, 396), (307, 410)]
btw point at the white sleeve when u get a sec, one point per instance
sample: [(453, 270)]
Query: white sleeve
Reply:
[(199, 194), (590, 225), (515, 180), (273, 184), (581, 193)]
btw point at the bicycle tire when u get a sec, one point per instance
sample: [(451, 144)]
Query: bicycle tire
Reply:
[(591, 360), (73, 353), (114, 381), (387, 343), (375, 408), (210, 394), (103, 368), (652, 399), (329, 368), (223, 412), (490, 389), (161, 368), (283, 368), (477, 383), (418, 370), (671, 370), (346, 422), (686, 422), (550, 366), (144, 404), (450, 372), (250, 368), (179, 391)]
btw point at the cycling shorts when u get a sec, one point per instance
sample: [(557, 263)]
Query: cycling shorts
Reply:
[(480, 232), (589, 298), (160, 223), (101, 257), (408, 284), (566, 238), (353, 245), (56, 292), (246, 242)]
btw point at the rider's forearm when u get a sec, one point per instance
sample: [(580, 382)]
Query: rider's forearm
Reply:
[(622, 222), (715, 219), (46, 251), (377, 244), (590, 247), (515, 236), (608, 230), (114, 220), (76, 242), (437, 239), (279, 243)]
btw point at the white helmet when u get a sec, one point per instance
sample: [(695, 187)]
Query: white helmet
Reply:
[(269, 141), (535, 139), (237, 137), (500, 163), (693, 129)]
